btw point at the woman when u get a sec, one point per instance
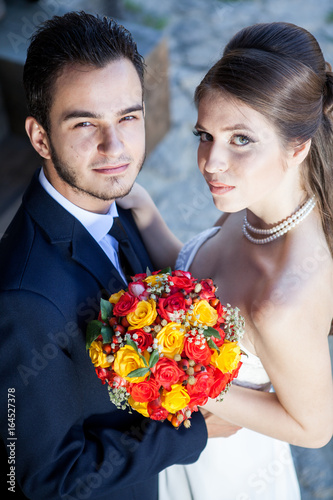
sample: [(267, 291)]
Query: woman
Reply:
[(266, 152)]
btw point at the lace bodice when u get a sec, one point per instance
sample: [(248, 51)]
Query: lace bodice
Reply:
[(252, 373)]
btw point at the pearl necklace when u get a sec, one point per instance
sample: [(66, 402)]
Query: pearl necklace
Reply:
[(279, 229)]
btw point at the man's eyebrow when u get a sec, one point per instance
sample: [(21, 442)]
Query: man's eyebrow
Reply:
[(81, 113), (131, 109)]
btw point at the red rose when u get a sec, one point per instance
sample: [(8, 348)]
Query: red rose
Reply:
[(200, 390), (127, 303), (197, 349), (138, 289), (171, 305), (220, 341), (197, 399), (234, 373), (138, 277), (156, 411), (110, 377), (221, 380), (208, 289), (116, 381), (145, 391), (182, 281), (142, 339), (167, 372), (221, 312), (102, 374)]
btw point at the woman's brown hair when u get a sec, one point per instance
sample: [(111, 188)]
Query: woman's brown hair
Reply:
[(279, 70)]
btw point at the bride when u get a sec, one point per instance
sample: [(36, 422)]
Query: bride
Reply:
[(266, 152)]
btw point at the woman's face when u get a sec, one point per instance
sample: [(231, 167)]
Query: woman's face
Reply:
[(240, 155)]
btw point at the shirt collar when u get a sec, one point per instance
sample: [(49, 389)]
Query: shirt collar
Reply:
[(98, 225)]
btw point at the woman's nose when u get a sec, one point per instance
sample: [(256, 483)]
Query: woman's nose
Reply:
[(216, 159)]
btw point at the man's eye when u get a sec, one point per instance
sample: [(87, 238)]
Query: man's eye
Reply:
[(128, 118), (204, 136), (83, 124)]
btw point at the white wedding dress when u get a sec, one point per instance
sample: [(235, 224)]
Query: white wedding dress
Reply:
[(245, 466)]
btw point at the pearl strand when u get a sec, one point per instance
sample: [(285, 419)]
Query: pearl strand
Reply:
[(280, 229)]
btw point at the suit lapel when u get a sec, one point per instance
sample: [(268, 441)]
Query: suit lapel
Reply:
[(60, 227), (90, 256)]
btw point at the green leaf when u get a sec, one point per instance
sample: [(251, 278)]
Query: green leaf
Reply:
[(93, 331), (148, 271), (139, 372), (107, 334), (209, 332), (143, 359), (153, 358), (135, 347), (212, 345), (132, 344), (106, 309), (166, 270)]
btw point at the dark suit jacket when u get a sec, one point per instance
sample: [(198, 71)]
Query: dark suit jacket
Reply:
[(72, 442)]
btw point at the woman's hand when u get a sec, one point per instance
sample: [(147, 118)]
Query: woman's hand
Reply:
[(162, 245), (137, 198), (218, 427)]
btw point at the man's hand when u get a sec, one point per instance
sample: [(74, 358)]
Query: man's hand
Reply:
[(217, 427)]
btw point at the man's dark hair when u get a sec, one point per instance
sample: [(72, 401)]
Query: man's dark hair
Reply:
[(75, 38)]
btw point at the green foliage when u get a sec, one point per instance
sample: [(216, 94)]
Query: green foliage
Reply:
[(329, 17), (106, 309), (144, 17), (93, 331), (211, 332)]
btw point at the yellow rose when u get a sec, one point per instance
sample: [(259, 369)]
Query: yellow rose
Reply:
[(98, 357), (144, 314), (229, 357), (176, 399), (171, 338), (114, 299), (154, 279), (140, 407), (203, 313), (127, 360)]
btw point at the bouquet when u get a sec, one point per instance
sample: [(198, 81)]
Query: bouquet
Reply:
[(165, 345)]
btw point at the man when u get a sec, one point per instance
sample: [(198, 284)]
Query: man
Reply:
[(64, 439)]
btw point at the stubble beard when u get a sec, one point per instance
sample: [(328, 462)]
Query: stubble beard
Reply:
[(116, 188)]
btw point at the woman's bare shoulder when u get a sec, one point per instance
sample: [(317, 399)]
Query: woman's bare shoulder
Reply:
[(301, 293)]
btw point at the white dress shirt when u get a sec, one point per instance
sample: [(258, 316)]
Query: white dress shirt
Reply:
[(98, 225)]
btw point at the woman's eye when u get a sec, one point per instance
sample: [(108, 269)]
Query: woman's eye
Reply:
[(204, 136), (241, 140)]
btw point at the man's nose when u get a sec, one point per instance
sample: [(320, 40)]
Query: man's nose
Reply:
[(110, 142)]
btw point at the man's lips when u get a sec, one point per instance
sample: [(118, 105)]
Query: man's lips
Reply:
[(219, 187), (111, 169)]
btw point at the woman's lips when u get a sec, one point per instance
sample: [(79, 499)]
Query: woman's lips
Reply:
[(219, 187)]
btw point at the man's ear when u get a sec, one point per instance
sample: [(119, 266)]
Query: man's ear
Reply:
[(298, 152), (38, 137)]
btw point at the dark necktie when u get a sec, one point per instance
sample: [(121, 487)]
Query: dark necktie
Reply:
[(127, 256)]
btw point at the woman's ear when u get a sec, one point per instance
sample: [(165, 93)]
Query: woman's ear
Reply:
[(38, 137), (299, 152)]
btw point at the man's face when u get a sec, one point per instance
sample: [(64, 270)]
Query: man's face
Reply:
[(97, 137)]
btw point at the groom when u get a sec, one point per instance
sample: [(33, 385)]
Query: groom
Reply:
[(64, 439)]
